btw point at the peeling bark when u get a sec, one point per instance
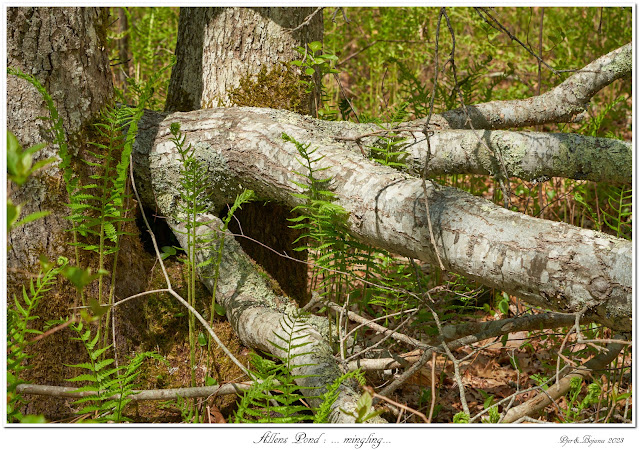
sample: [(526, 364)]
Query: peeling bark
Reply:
[(552, 265)]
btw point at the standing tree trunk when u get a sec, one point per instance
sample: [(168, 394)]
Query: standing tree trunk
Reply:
[(216, 47), (220, 52), (65, 50), (61, 47)]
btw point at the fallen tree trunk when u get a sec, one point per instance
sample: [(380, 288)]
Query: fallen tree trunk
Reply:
[(552, 265), (267, 322), (527, 155)]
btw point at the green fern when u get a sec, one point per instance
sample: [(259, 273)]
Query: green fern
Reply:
[(326, 234), (620, 218), (110, 392), (322, 222), (19, 318), (195, 200), (58, 137), (276, 397), (324, 411), (412, 89), (389, 148), (100, 375), (56, 129)]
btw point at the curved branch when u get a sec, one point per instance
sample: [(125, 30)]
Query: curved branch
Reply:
[(258, 317), (560, 104), (530, 156)]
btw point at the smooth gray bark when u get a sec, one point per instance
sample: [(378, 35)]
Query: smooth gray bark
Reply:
[(549, 264)]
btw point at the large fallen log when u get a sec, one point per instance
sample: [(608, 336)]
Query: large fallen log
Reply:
[(549, 264)]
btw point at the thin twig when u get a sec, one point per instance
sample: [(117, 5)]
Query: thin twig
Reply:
[(372, 392), (442, 11), (499, 27), (432, 388), (144, 395), (306, 21), (378, 343), (73, 319), (379, 328)]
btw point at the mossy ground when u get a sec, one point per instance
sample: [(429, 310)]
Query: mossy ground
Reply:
[(167, 333)]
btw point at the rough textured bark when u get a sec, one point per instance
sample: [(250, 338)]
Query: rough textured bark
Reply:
[(561, 104), (216, 47), (549, 264), (63, 49)]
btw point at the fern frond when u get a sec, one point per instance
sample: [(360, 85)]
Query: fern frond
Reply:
[(18, 320)]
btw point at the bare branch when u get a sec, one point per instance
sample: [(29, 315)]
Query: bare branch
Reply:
[(559, 389), (561, 104), (145, 395), (307, 20)]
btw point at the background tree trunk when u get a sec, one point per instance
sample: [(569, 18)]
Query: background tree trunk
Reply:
[(124, 68), (216, 48)]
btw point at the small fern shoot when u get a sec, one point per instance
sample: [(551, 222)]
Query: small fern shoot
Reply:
[(323, 413), (58, 137), (620, 218), (194, 200)]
